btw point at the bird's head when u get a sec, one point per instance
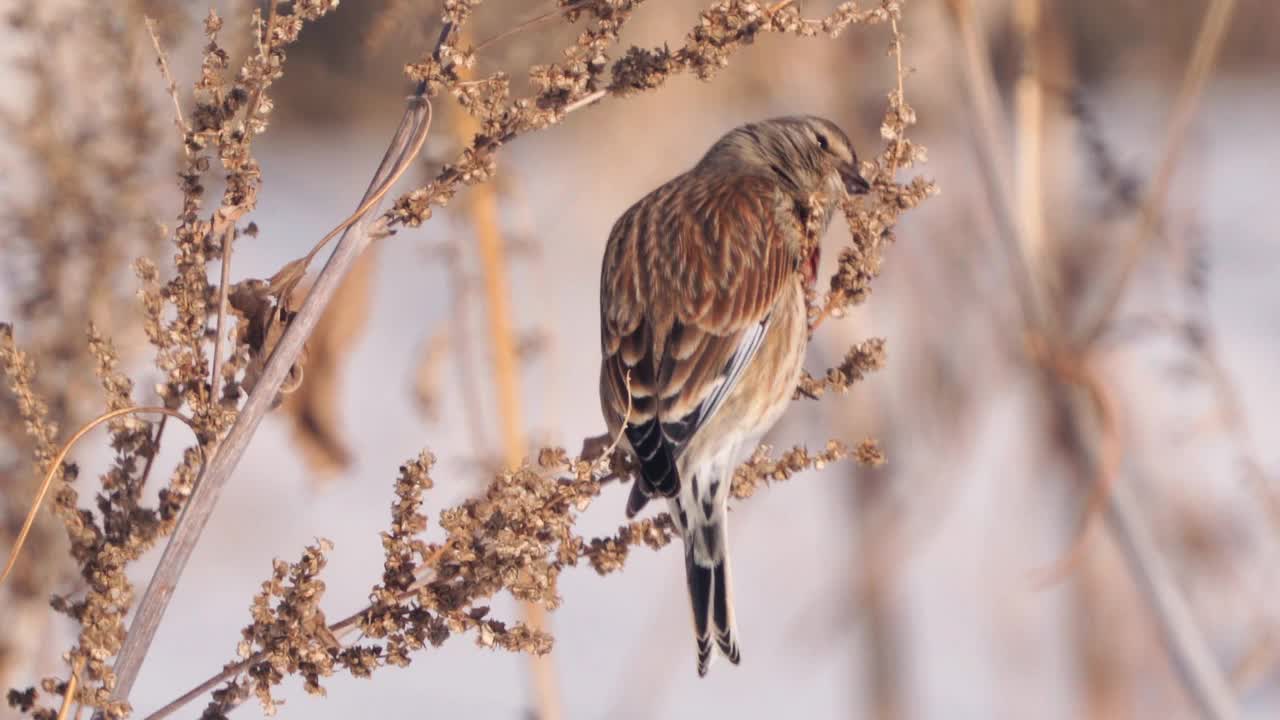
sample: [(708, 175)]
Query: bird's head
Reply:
[(808, 154)]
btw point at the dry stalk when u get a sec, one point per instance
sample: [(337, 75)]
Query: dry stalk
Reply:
[(1029, 115), (483, 207), (1191, 655), (1208, 42), (69, 694), (993, 164), (162, 61)]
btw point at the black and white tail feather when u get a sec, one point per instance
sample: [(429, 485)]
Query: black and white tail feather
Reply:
[(706, 561), (699, 503), (700, 512)]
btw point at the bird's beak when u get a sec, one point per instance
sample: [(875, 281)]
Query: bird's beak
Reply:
[(854, 184)]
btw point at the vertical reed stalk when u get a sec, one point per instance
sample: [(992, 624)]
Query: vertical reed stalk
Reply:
[(483, 207)]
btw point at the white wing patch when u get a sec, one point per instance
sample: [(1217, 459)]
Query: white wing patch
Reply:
[(747, 347)]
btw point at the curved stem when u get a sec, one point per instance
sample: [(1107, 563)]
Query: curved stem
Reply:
[(56, 465)]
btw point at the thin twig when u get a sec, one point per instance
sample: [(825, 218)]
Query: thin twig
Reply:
[(56, 465), (585, 101), (297, 268), (220, 332), (69, 694), (830, 308), (162, 60), (1194, 662), (155, 450), (548, 15), (338, 629), (902, 93), (229, 232), (264, 49), (1110, 453)]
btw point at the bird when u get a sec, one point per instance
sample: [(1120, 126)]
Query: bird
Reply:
[(704, 326)]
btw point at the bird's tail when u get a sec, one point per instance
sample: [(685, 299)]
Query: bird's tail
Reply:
[(706, 558)]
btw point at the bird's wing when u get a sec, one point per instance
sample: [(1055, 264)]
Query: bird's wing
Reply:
[(690, 276)]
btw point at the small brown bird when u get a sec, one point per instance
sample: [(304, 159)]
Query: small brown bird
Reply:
[(704, 328)]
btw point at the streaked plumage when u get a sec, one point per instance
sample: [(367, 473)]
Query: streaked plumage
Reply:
[(703, 313)]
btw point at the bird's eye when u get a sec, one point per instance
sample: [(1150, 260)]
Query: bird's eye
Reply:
[(823, 142)]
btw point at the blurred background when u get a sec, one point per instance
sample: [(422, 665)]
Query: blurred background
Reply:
[(963, 579)]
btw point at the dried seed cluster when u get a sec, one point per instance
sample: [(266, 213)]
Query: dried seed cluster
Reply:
[(863, 358), (67, 231), (516, 537), (175, 314), (586, 73)]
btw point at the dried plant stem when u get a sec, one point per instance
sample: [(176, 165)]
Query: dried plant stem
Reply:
[(179, 119), (774, 8), (1029, 114), (831, 306), (1199, 671), (219, 339), (155, 444), (586, 100), (338, 629), (872, 583), (70, 693), (1209, 40), (468, 386), (902, 93), (516, 29), (1188, 648), (497, 285), (56, 466), (993, 164), (404, 147), (497, 290), (1110, 453), (757, 472), (228, 231)]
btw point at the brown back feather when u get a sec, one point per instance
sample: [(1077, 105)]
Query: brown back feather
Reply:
[(686, 270)]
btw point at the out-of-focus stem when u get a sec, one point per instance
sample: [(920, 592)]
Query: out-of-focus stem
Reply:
[(1188, 648), (497, 284), (483, 207), (1213, 30), (993, 168), (69, 694), (874, 575), (1028, 101)]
